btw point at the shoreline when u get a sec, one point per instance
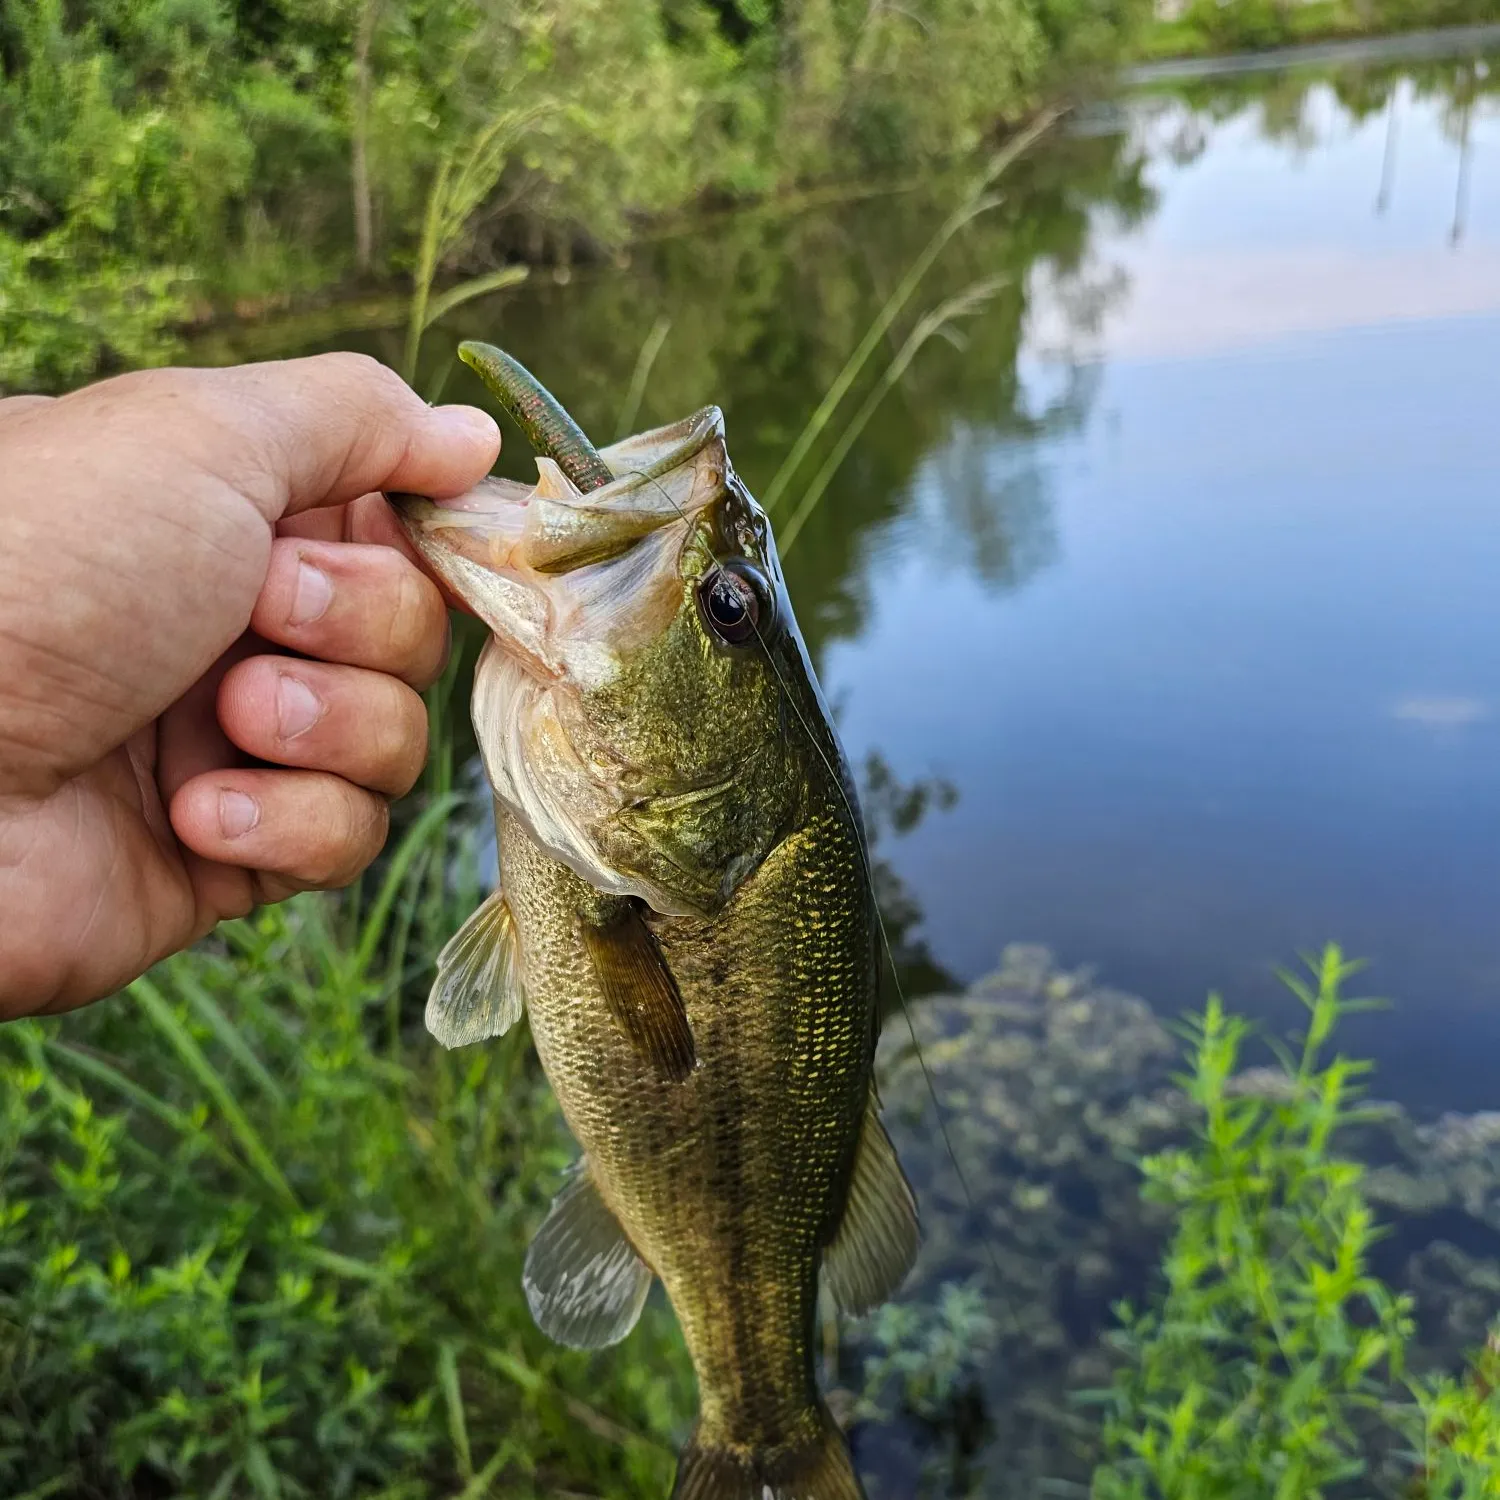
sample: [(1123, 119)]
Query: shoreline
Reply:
[(270, 331), (1053, 1085), (1397, 46)]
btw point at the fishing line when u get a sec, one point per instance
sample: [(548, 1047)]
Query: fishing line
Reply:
[(885, 942)]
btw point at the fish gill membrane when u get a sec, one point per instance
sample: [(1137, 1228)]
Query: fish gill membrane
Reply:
[(686, 912)]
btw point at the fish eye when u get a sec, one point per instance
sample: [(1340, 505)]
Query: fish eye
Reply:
[(733, 599)]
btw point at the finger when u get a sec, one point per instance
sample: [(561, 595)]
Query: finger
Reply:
[(295, 434), (361, 605), (361, 725), (189, 738), (337, 426), (308, 829), (368, 519), (13, 406)]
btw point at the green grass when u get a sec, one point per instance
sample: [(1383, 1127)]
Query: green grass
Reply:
[(255, 1241)]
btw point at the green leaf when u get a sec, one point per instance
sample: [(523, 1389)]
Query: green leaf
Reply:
[(165, 1019)]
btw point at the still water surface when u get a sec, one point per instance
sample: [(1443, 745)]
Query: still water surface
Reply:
[(1182, 569), (1251, 701)]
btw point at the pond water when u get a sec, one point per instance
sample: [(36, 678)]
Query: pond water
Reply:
[(1249, 698), (1176, 572)]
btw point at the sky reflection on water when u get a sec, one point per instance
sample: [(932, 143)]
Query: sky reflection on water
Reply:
[(1248, 696)]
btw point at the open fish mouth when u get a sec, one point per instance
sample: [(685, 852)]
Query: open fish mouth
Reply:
[(625, 713), (526, 558)]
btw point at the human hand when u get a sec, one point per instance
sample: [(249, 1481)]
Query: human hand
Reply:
[(210, 650)]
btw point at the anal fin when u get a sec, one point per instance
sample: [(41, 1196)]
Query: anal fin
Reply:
[(877, 1241), (584, 1283), (478, 991), (640, 991)]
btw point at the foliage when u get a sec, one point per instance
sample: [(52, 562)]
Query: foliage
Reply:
[(926, 1356), (166, 158), (1459, 1431), (1246, 1377), (1207, 27), (246, 1249), (61, 315)]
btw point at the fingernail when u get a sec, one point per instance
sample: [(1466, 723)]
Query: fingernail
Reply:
[(313, 593), (464, 424), (298, 708), (238, 814)]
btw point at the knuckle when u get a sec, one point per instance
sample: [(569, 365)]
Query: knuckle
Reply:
[(353, 831), (402, 742), (120, 398), (410, 621), (369, 824), (380, 381), (355, 365)]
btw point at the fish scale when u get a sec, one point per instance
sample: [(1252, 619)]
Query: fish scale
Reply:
[(741, 1169)]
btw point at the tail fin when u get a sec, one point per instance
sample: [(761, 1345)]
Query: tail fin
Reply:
[(820, 1469)]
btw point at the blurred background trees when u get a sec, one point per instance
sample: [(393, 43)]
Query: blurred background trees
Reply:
[(163, 159)]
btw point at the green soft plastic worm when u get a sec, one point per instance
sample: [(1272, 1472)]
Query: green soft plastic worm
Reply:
[(538, 413)]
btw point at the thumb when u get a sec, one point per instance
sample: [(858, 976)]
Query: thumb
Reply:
[(326, 430)]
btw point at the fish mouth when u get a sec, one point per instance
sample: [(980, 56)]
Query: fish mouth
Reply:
[(532, 560), (470, 543)]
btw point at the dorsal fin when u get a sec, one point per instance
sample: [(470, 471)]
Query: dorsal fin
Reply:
[(584, 1282), (478, 992), (877, 1241)]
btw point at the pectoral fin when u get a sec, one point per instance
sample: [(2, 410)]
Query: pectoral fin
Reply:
[(478, 991), (585, 1284), (876, 1243), (640, 992)]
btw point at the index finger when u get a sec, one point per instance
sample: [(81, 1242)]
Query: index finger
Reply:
[(369, 519)]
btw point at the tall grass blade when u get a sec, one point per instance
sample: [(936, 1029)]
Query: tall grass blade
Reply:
[(427, 259), (340, 1265), (976, 201), (164, 1019), (395, 969), (467, 291), (534, 1383), (966, 303), (439, 384), (479, 1486), (187, 985), (437, 779), (630, 408), (111, 1077), (458, 190), (453, 1399), (53, 1486), (430, 823), (262, 1472)]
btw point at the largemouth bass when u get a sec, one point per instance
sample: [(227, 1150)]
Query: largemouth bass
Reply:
[(685, 913)]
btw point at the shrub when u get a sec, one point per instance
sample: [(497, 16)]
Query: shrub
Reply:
[(1270, 1338), (253, 1242)]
